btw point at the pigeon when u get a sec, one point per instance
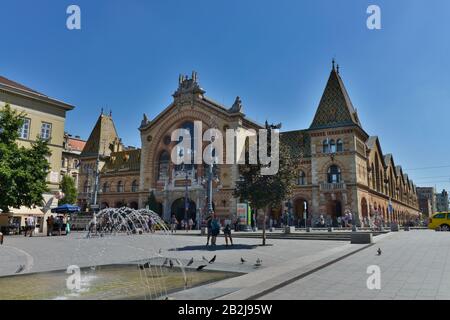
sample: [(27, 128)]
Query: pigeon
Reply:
[(200, 268), (20, 268), (243, 261), (379, 252), (171, 263), (165, 262), (204, 259), (190, 262), (258, 262), (212, 260)]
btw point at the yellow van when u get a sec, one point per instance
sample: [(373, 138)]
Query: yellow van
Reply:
[(440, 220)]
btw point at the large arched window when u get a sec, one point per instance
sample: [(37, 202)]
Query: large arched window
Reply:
[(301, 178), (134, 186), (339, 145), (105, 187), (120, 186), (334, 174), (163, 166), (325, 146), (332, 146)]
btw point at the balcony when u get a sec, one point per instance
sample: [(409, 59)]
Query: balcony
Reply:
[(328, 187)]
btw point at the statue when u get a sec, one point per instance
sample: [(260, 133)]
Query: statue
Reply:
[(237, 105)]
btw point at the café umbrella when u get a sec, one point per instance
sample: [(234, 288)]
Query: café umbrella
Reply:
[(66, 208)]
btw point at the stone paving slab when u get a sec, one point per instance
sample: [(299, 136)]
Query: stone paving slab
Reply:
[(414, 265)]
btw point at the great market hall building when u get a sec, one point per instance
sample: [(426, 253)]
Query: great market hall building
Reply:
[(340, 166)]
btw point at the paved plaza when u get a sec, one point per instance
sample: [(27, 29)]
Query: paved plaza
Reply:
[(414, 265)]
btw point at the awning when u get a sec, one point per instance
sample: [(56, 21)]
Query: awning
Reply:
[(66, 208), (25, 211)]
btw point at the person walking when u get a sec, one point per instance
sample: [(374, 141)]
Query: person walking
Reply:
[(173, 224), (1, 238), (30, 222), (67, 226), (209, 229), (350, 219), (215, 224), (190, 223), (227, 234)]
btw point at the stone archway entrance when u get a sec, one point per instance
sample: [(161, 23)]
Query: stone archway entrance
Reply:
[(178, 209), (334, 210)]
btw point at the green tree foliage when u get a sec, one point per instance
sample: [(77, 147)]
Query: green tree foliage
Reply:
[(152, 203), (69, 189), (266, 191), (23, 172)]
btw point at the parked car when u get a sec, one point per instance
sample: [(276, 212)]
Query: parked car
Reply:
[(440, 221)]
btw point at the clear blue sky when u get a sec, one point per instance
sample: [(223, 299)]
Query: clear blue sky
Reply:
[(275, 54)]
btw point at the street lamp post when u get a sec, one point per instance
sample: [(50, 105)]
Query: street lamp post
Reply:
[(186, 203)]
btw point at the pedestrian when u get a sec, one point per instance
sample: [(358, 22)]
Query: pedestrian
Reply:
[(209, 229), (173, 224), (339, 221), (67, 227), (190, 223), (350, 219), (215, 225), (1, 238), (322, 221), (30, 225), (50, 224), (227, 234)]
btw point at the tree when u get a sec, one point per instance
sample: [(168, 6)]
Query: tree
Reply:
[(152, 203), (69, 189), (23, 172), (266, 191)]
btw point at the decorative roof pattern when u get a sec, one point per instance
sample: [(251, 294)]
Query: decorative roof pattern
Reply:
[(298, 143), (123, 161), (335, 108)]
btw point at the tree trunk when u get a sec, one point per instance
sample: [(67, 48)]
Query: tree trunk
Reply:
[(264, 228)]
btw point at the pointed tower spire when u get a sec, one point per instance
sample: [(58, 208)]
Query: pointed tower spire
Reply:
[(335, 108), (333, 63)]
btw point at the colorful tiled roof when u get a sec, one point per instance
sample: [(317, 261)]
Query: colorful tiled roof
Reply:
[(335, 108), (298, 142), (127, 160)]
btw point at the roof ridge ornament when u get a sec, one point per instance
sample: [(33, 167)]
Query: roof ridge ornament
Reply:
[(188, 86), (237, 106)]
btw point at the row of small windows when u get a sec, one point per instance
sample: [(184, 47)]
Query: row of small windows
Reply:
[(331, 146), (24, 131), (333, 176), (120, 187)]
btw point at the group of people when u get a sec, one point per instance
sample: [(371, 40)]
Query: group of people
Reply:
[(213, 226), (57, 224), (185, 225)]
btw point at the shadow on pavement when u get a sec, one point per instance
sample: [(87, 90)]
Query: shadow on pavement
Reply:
[(216, 248)]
